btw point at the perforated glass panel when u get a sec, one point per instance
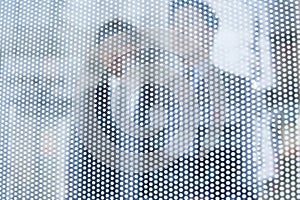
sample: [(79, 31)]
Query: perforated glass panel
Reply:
[(169, 99)]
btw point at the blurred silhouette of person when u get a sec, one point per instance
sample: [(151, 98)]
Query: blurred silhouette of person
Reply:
[(88, 176), (235, 113), (98, 174)]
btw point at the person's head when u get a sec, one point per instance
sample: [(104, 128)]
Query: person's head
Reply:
[(118, 41), (194, 25)]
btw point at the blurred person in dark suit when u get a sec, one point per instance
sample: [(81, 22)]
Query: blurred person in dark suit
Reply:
[(236, 108), (147, 152)]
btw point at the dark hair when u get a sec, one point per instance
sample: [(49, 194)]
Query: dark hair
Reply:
[(115, 27), (209, 15)]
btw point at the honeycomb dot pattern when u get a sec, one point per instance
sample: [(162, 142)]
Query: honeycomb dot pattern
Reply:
[(169, 99)]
